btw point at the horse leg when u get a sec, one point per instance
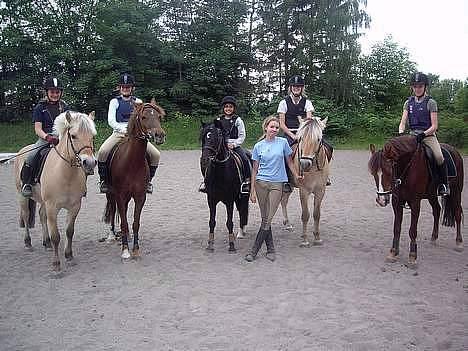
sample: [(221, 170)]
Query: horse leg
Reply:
[(436, 214), (305, 216), (71, 217), (230, 225), (284, 209), (136, 224), (413, 231), (212, 224), (24, 221), (458, 217), (122, 206), (398, 217), (242, 204), (318, 197), (45, 230), (51, 213)]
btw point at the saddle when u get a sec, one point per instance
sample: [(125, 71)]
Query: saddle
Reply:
[(240, 165), (432, 164), (38, 164)]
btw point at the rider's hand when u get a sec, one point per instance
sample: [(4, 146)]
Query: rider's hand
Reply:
[(253, 196), (420, 137), (231, 146), (52, 139)]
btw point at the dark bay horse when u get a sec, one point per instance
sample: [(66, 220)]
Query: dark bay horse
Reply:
[(222, 180), (129, 171), (401, 170)]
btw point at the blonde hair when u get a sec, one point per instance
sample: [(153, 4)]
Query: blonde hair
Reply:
[(266, 122)]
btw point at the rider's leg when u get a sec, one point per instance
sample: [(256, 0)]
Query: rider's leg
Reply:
[(30, 164), (102, 155), (245, 186), (154, 156), (433, 143)]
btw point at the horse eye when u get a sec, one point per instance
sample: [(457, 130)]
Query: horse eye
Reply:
[(73, 136), (143, 117)]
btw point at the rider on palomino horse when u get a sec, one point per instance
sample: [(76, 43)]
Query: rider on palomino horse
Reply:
[(44, 114), (234, 133), (420, 110), (120, 109), (290, 108)]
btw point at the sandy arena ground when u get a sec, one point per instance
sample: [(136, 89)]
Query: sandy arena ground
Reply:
[(340, 296)]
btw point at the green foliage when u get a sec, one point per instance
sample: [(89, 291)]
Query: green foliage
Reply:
[(453, 131)]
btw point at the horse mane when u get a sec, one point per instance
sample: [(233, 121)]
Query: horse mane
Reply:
[(399, 146), (78, 120), (310, 132)]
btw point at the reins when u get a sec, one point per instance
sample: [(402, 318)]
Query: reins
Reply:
[(76, 160)]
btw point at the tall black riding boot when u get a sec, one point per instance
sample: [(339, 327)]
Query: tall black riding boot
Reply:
[(270, 246), (149, 187), (256, 246), (26, 176), (102, 169), (443, 189)]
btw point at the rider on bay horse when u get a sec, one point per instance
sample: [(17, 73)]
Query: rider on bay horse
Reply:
[(234, 134), (44, 114), (120, 109), (420, 110), (294, 105)]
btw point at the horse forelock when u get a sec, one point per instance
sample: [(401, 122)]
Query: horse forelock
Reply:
[(79, 122), (310, 133)]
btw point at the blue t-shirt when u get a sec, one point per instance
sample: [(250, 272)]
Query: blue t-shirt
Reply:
[(270, 157)]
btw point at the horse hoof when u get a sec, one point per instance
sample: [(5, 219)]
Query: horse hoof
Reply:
[(391, 258), (232, 250), (125, 254), (412, 264), (28, 248), (434, 242), (111, 238), (249, 257), (136, 253), (240, 235), (56, 266), (304, 244), (459, 247), (209, 248), (289, 227), (317, 242), (69, 257), (56, 274)]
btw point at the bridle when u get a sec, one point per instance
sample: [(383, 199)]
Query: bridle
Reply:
[(76, 160), (216, 150), (142, 134)]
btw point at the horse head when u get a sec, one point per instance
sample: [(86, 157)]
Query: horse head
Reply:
[(76, 133), (213, 143), (146, 122), (380, 168), (310, 134)]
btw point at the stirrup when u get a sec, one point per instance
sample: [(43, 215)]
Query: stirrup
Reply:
[(245, 188), (149, 188), (287, 188), (443, 190), (103, 188), (26, 190), (328, 182), (202, 188)]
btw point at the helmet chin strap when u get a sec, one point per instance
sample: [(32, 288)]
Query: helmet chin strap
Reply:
[(424, 93)]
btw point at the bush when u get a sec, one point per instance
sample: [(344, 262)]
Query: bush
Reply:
[(453, 131)]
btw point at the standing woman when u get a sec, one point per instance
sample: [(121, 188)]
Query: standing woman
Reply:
[(44, 114), (268, 176)]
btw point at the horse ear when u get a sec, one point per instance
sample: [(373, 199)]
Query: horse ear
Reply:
[(372, 148), (68, 116), (153, 101), (325, 121), (91, 115)]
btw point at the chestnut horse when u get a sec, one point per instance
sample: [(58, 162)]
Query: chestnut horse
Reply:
[(222, 180), (62, 183), (129, 171), (311, 160), (401, 170)]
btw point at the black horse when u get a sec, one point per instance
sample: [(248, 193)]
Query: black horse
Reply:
[(223, 181)]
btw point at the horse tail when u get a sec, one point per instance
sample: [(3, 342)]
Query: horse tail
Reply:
[(452, 203), (110, 209), (31, 215)]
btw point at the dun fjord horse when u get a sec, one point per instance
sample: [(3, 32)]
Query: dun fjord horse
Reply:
[(222, 180), (310, 159), (129, 171), (62, 183), (401, 170)]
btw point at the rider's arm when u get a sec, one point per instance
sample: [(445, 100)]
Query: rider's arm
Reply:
[(432, 107), (37, 119), (240, 133), (404, 118), (253, 195), (112, 117), (39, 131), (282, 108)]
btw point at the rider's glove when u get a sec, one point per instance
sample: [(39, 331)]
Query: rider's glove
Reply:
[(420, 137), (52, 139)]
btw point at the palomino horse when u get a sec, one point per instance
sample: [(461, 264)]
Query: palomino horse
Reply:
[(129, 171), (401, 169), (222, 180), (62, 183), (311, 161)]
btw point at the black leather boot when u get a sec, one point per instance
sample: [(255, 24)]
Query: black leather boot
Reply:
[(270, 246), (26, 178), (256, 246), (443, 189), (102, 170), (149, 187)]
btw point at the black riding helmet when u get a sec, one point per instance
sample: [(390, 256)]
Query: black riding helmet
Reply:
[(52, 83), (419, 78), (296, 80), (228, 100), (126, 79)]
